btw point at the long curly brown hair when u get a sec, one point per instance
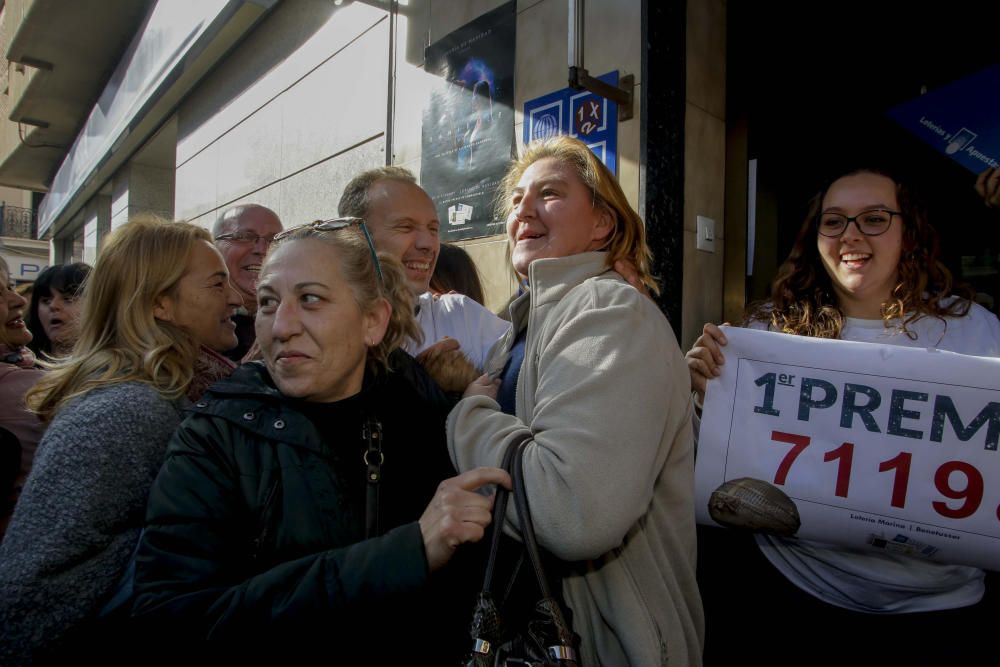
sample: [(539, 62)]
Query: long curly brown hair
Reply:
[(121, 340), (804, 303)]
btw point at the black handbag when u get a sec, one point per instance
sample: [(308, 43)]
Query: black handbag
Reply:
[(546, 638)]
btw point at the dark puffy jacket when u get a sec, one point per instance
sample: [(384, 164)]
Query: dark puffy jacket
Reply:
[(255, 529)]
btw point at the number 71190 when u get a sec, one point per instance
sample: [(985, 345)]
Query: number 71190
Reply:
[(970, 493)]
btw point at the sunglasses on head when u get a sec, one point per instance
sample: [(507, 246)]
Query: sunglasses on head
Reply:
[(333, 225)]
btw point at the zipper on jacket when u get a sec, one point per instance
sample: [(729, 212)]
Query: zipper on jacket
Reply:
[(265, 516)]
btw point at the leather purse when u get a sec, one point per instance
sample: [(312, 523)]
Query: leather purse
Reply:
[(545, 638)]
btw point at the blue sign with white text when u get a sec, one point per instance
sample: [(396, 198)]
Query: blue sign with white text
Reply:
[(579, 113), (960, 119)]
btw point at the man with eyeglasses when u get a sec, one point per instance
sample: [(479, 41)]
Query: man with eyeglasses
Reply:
[(404, 222), (242, 234)]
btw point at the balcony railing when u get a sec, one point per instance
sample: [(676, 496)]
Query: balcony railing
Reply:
[(18, 222)]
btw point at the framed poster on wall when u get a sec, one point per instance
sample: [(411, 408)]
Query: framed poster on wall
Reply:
[(468, 125)]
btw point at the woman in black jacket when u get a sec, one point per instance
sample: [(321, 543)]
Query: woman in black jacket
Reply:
[(301, 507)]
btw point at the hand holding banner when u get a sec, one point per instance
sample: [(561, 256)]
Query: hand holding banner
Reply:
[(880, 447)]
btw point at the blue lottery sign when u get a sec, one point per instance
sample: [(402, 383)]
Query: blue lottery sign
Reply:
[(959, 119), (579, 113)]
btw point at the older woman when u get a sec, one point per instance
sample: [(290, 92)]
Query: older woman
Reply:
[(291, 506), (17, 375), (158, 292), (864, 267), (592, 373)]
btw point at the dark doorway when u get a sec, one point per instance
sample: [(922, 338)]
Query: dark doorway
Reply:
[(812, 83)]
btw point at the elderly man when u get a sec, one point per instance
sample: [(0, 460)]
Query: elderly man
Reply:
[(403, 222), (242, 234)]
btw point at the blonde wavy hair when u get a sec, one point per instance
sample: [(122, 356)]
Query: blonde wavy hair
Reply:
[(120, 339), (627, 241), (353, 256)]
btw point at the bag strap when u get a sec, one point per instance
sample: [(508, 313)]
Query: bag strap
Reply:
[(513, 464), (487, 626), (564, 650), (500, 508), (527, 527)]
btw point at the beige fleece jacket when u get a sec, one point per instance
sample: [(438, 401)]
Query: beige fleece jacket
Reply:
[(604, 391)]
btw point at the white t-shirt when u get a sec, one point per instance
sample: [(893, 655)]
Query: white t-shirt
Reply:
[(876, 582), (459, 317)]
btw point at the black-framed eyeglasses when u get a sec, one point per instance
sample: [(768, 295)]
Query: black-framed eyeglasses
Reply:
[(873, 222), (334, 224), (246, 237)]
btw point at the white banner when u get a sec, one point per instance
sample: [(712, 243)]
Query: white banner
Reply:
[(873, 446)]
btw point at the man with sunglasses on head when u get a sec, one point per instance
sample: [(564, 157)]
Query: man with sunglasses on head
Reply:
[(243, 234), (403, 222)]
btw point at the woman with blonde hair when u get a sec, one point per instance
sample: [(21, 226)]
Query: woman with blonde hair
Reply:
[(159, 292), (591, 375)]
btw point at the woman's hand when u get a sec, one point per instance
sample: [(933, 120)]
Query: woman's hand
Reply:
[(483, 386), (988, 187), (457, 514), (447, 365), (705, 357), (627, 270)]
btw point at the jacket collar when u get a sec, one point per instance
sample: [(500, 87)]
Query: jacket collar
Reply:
[(550, 279), (249, 399), (249, 380)]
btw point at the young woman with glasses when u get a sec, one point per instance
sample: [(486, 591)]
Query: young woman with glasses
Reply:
[(301, 509), (864, 267)]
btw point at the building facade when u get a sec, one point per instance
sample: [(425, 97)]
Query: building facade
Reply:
[(184, 108)]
